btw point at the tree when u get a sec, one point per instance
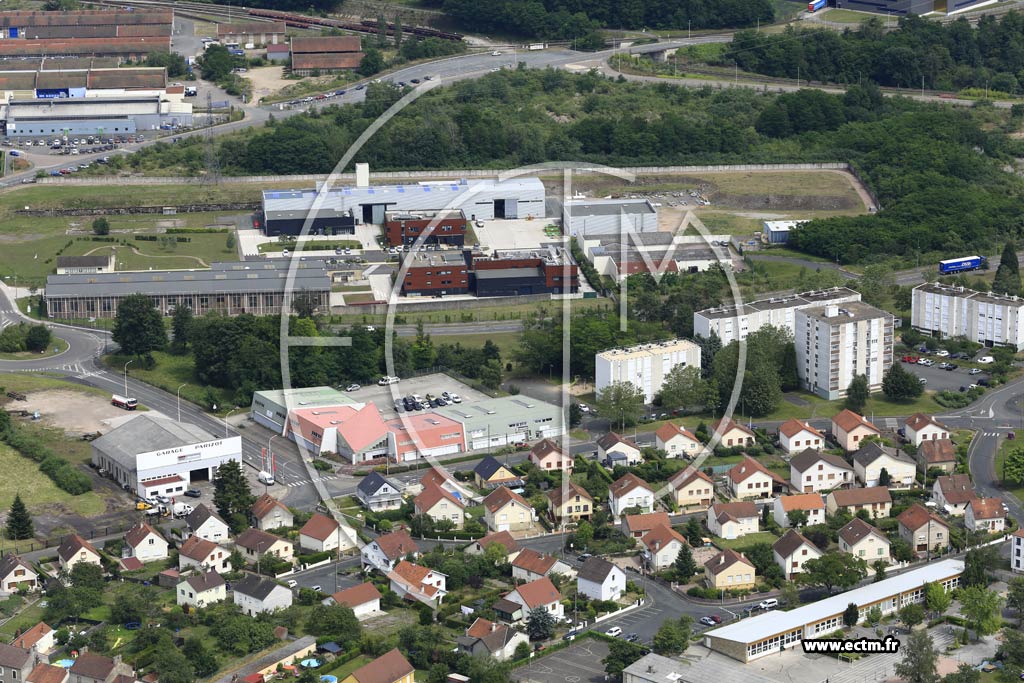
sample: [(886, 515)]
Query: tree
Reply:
[(87, 576), (876, 284), (216, 63), (174, 666), (490, 374), (138, 326), (575, 414), (788, 373), (1015, 597), (789, 595), (670, 639), (834, 569), (101, 226), (879, 566), (1013, 467), (684, 565), (232, 496), (936, 598), (884, 478), (371, 63), (873, 616), (683, 387), (540, 624), (622, 403), (19, 522), (912, 615), (584, 535), (851, 615), (202, 657), (522, 652), (334, 622), (229, 243), (620, 655), (1007, 279), (693, 532), (981, 608), (857, 394), (900, 385), (38, 338), (181, 324), (919, 663), (977, 564), (965, 673), (796, 518)]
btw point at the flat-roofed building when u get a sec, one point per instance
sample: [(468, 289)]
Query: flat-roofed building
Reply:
[(256, 287), (771, 632), (645, 366), (621, 255), (548, 270), (255, 32), (270, 408), (442, 227), (982, 317), (838, 342), (121, 114), (73, 265), (730, 322), (588, 217), (503, 421), (777, 232), (435, 273)]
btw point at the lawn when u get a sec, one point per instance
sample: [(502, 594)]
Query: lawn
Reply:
[(345, 669), (746, 540), (170, 372), (845, 16), (310, 245), (22, 476), (29, 617), (507, 342), (476, 314), (57, 346)]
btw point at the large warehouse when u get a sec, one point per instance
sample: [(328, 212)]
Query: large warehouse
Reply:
[(39, 25), (589, 217), (256, 287), (901, 8), (156, 456), (770, 632), (497, 422), (285, 211), (81, 115)]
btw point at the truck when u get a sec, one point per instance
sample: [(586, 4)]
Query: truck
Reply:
[(182, 509), (191, 91), (125, 402), (957, 265), (265, 477), (816, 5)]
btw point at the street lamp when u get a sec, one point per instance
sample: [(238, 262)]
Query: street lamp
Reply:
[(126, 378), (178, 394), (226, 424)]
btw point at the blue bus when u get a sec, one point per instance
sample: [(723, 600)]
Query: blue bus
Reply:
[(957, 265)]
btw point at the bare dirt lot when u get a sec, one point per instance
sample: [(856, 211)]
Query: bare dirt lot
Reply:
[(267, 80), (72, 411)]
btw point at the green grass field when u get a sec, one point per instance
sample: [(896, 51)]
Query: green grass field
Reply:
[(22, 476), (845, 16), (1004, 451), (476, 314), (745, 540), (508, 342), (170, 372)]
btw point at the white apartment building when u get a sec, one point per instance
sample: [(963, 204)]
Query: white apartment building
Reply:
[(645, 366), (983, 317), (835, 343), (731, 322)]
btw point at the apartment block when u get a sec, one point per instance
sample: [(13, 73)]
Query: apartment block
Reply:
[(645, 366), (983, 317)]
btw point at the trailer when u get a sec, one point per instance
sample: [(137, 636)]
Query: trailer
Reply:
[(124, 402), (958, 265), (816, 5)]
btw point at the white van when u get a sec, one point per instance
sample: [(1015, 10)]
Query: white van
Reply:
[(265, 478), (770, 603), (386, 380)]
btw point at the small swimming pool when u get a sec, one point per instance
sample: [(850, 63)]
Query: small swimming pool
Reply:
[(64, 663), (329, 679)]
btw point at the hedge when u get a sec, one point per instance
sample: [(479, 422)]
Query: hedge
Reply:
[(62, 472), (179, 231), (314, 557)]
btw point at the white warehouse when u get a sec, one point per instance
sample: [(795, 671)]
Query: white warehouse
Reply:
[(589, 217), (732, 322), (644, 366), (983, 317)]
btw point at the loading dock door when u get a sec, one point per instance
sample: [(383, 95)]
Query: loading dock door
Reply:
[(511, 208), (374, 213), (499, 208)]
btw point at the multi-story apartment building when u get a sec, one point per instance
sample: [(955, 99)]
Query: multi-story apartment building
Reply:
[(645, 366), (983, 317), (736, 322), (835, 343)]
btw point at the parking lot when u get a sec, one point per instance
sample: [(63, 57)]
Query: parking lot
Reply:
[(940, 380), (384, 397), (579, 663), (514, 234)]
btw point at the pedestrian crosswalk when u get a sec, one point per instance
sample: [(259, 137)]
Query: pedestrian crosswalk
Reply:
[(303, 482)]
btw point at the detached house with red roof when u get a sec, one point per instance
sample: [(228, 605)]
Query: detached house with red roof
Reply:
[(145, 543), (363, 600), (270, 513), (850, 429), (500, 538), (391, 667), (505, 510), (531, 565), (677, 442), (732, 520), (630, 491), (540, 593), (661, 546), (920, 427), (198, 553), (75, 550), (810, 503), (413, 582), (749, 479), (488, 638), (202, 590), (569, 502), (791, 551), (255, 545), (440, 505), (860, 539), (355, 432), (733, 433), (923, 530), (936, 453), (952, 493), (40, 637), (384, 552), (547, 455), (323, 534), (691, 487), (47, 673), (613, 449), (985, 515), (635, 526), (796, 436)]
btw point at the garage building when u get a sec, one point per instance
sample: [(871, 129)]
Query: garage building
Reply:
[(588, 217), (152, 456), (762, 635), (338, 212), (497, 422)]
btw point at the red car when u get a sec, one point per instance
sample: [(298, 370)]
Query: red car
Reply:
[(522, 446), (910, 359)]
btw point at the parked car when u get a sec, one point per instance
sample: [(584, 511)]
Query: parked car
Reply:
[(974, 371), (455, 398), (922, 380), (951, 366), (707, 621), (614, 632), (633, 638), (942, 353), (910, 359), (985, 360), (193, 493), (584, 557), (943, 365), (984, 382), (353, 387)]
